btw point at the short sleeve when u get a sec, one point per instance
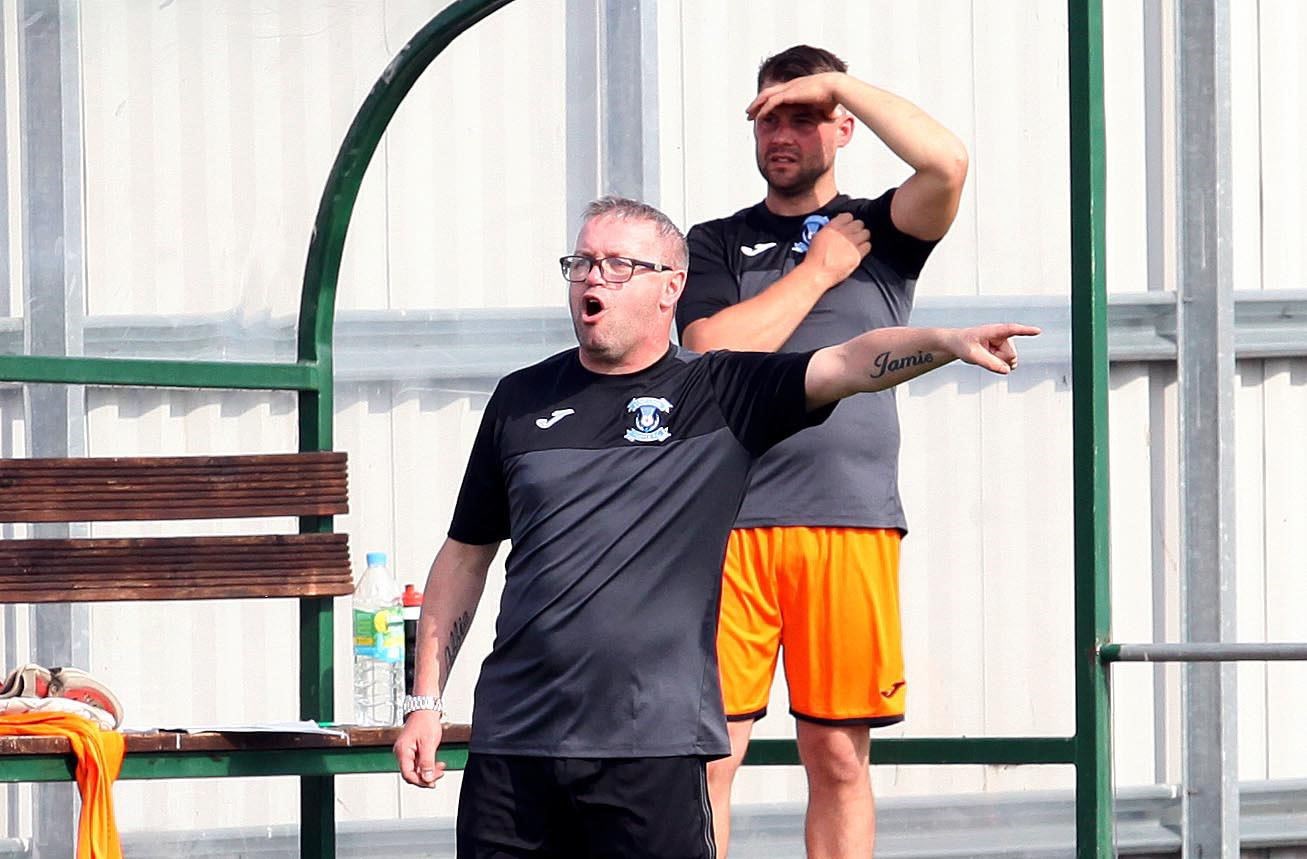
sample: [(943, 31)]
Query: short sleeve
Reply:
[(481, 512), (710, 285), (905, 254), (763, 395)]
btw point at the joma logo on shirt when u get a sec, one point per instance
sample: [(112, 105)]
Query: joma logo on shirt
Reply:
[(648, 413)]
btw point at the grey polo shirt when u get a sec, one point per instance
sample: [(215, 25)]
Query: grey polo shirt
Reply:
[(845, 473)]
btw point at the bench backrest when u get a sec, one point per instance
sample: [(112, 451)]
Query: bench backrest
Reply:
[(170, 489)]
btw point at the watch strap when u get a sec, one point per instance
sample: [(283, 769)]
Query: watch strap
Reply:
[(413, 703)]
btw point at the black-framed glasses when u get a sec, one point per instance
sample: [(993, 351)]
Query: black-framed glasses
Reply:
[(576, 268)]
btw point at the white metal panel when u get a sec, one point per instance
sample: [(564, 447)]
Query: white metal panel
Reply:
[(1246, 168), (1126, 153), (1028, 556), (1250, 563), (1282, 179), (1131, 527), (1020, 157), (209, 132), (11, 292), (476, 164), (1285, 458)]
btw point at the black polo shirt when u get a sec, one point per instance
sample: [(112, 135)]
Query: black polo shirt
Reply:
[(618, 493)]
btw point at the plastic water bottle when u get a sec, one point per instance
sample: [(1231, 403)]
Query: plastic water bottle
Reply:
[(378, 645)]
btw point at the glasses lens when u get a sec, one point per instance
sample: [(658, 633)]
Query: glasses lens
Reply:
[(617, 269), (575, 268)]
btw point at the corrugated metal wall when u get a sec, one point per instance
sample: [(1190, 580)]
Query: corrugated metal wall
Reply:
[(209, 129)]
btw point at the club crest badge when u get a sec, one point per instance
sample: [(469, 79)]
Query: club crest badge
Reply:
[(648, 414), (811, 225)]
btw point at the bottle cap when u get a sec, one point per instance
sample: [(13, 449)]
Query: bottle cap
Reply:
[(412, 596), (376, 559)]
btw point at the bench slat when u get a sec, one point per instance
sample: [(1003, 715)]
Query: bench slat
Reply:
[(216, 741), (115, 463), (166, 568), (171, 512), (173, 488)]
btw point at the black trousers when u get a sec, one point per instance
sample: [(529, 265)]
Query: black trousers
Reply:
[(513, 807)]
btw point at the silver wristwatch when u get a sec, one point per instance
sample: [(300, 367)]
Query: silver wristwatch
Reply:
[(423, 702)]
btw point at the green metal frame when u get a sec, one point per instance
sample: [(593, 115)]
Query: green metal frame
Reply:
[(1089, 750)]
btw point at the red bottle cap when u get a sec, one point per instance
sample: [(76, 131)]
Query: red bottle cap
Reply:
[(412, 596)]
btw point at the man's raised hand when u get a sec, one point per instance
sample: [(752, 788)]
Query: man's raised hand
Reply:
[(819, 90)]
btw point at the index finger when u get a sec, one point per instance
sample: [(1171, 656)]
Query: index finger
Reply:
[(1014, 329)]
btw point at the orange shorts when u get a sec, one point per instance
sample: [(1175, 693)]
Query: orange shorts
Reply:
[(830, 598)]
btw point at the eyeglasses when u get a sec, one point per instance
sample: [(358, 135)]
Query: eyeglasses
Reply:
[(576, 268)]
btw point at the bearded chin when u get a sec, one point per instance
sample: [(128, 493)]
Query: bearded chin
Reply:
[(800, 183)]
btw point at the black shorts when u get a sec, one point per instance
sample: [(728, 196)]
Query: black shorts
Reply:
[(584, 808)]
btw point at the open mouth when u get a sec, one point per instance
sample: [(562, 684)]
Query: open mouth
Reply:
[(591, 308)]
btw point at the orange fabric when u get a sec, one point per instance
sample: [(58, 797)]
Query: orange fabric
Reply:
[(99, 759), (828, 597)]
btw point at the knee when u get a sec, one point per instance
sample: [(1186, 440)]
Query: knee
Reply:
[(721, 773), (835, 760)]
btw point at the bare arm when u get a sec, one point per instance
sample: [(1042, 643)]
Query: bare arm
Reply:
[(887, 357), (763, 323), (453, 589), (926, 204)]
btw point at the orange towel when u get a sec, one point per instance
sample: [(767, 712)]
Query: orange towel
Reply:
[(99, 758)]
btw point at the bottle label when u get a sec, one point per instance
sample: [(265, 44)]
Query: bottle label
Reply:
[(379, 635)]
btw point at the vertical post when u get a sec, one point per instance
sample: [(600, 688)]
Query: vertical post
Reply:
[(317, 633), (584, 173), (612, 102), (1205, 327), (629, 92), (1089, 410), (54, 290)]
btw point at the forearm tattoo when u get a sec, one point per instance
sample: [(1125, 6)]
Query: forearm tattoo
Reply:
[(456, 636), (886, 363)]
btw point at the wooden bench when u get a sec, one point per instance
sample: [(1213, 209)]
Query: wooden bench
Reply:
[(157, 489)]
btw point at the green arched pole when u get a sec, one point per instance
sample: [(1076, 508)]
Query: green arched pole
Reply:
[(336, 208), (317, 316)]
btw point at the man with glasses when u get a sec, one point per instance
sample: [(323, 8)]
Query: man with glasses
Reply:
[(616, 469), (812, 567)]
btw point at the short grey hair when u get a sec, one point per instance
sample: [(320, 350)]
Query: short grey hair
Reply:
[(626, 209)]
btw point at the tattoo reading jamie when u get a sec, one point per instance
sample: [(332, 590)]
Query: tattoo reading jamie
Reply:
[(456, 636), (885, 364)]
